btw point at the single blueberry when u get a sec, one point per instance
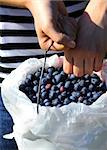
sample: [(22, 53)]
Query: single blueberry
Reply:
[(35, 89), (76, 86), (59, 105), (91, 87), (29, 77), (72, 98), (44, 95), (81, 83), (102, 86), (95, 96), (66, 101), (87, 76), (22, 87), (67, 84), (50, 70), (55, 102), (37, 74), (94, 81), (60, 84), (35, 82), (55, 73), (51, 95), (89, 94), (34, 99), (80, 99), (72, 77), (84, 90), (47, 103), (57, 78)]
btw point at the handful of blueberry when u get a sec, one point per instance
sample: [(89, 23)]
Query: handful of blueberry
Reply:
[(58, 88)]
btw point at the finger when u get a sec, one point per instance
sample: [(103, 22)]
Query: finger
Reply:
[(78, 67), (98, 64), (68, 66), (54, 33), (88, 66), (62, 8)]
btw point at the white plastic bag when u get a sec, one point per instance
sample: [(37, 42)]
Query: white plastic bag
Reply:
[(71, 127)]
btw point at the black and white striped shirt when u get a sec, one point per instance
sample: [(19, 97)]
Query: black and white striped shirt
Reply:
[(18, 40)]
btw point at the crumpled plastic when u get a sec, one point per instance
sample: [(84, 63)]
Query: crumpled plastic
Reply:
[(71, 127)]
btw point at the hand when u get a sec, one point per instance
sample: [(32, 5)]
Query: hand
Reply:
[(91, 41), (53, 24)]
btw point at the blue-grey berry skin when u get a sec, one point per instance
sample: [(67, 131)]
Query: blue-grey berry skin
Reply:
[(66, 101), (67, 84), (44, 95), (46, 100), (55, 102), (72, 98), (91, 87), (47, 104), (35, 89), (80, 99)]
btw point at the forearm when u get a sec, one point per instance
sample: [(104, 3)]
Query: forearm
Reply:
[(16, 3)]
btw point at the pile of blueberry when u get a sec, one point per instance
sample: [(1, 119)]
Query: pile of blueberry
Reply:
[(58, 88)]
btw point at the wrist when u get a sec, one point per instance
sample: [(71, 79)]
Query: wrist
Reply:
[(101, 7)]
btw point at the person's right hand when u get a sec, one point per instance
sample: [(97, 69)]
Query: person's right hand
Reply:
[(52, 24)]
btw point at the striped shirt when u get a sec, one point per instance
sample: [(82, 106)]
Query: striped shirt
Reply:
[(18, 40)]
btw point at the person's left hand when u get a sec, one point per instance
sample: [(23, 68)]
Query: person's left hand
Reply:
[(91, 41)]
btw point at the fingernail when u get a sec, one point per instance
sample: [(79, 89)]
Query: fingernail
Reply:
[(61, 47), (72, 44)]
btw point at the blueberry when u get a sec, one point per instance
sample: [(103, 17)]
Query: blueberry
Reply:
[(72, 77), (89, 94), (87, 83), (81, 83), (91, 87), (22, 87), (102, 86), (80, 99), (87, 76), (72, 98), (76, 86), (74, 94), (66, 101), (94, 81), (50, 70), (54, 88), (37, 74), (35, 82), (57, 78), (44, 95), (44, 81), (55, 102), (63, 94), (59, 105), (60, 84), (67, 84), (45, 101), (55, 73), (95, 76), (47, 104), (51, 94), (48, 86), (95, 96), (30, 77), (73, 81), (84, 90), (35, 89), (27, 81), (34, 99), (62, 89)]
